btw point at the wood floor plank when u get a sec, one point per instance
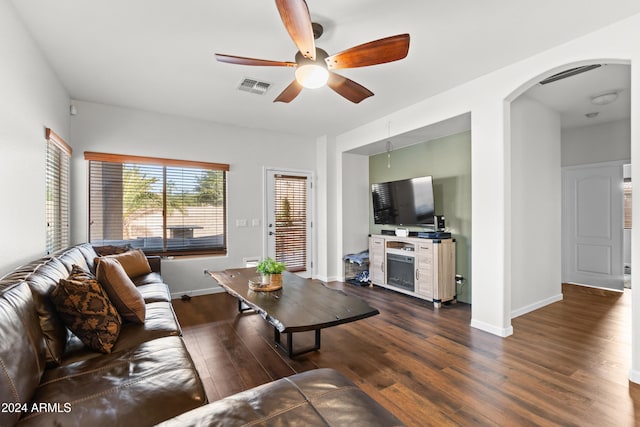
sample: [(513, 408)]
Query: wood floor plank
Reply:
[(566, 364)]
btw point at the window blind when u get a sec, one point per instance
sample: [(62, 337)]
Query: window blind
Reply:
[(57, 192), (290, 197), (163, 206)]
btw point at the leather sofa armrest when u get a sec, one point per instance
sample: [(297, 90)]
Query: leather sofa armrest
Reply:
[(154, 263), (319, 397)]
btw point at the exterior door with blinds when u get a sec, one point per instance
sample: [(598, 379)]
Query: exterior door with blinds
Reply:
[(289, 218)]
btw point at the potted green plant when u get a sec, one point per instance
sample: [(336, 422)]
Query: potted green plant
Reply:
[(271, 271)]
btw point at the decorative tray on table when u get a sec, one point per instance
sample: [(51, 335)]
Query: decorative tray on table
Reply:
[(256, 284)]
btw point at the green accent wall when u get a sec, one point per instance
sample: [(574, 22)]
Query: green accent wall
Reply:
[(448, 161)]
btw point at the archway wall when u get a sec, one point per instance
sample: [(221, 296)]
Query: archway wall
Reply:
[(488, 99)]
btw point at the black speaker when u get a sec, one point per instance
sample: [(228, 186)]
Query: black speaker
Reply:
[(439, 222)]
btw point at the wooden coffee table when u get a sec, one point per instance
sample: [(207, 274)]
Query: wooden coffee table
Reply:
[(301, 305)]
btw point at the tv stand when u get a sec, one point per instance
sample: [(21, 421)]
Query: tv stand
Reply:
[(421, 267)]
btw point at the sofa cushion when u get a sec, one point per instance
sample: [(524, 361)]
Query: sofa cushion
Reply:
[(121, 290), (320, 397), (42, 280), (160, 322), (143, 386), (89, 255), (22, 352), (72, 256), (87, 311), (134, 262), (21, 273), (146, 279), (154, 292)]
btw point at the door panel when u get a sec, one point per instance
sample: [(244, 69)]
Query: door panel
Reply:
[(592, 224)]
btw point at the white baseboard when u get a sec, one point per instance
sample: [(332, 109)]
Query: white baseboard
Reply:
[(634, 376), (198, 292), (492, 329), (536, 305), (327, 279)]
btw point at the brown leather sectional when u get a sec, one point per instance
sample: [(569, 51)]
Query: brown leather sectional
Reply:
[(49, 378)]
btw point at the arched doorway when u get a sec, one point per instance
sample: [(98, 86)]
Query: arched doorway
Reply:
[(546, 119)]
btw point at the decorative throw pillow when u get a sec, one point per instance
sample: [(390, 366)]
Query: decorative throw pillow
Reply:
[(134, 262), (87, 311), (121, 290)]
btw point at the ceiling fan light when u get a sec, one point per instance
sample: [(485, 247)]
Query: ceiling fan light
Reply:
[(312, 76)]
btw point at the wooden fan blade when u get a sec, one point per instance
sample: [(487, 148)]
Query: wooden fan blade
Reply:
[(290, 92), (241, 60), (297, 21), (376, 52), (347, 88)]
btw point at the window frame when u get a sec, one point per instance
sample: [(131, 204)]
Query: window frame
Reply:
[(167, 163)]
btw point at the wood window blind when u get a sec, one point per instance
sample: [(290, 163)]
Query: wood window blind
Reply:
[(57, 192), (290, 197), (163, 206)]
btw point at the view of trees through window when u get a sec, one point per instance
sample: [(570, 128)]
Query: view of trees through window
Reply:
[(158, 208)]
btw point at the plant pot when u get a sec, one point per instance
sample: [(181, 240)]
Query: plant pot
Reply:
[(266, 279), (276, 279)]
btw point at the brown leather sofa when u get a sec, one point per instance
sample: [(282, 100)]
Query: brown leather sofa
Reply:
[(320, 397), (48, 377)]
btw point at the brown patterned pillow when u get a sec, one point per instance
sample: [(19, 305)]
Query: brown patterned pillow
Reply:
[(87, 311)]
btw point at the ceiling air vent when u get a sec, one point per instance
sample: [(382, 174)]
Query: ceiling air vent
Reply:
[(569, 73), (254, 86)]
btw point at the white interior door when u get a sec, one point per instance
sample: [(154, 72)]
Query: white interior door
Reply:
[(592, 225), (288, 219)]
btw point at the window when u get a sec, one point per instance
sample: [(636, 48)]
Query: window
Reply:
[(163, 206), (57, 192)]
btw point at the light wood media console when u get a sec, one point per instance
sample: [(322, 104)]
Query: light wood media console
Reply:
[(423, 268)]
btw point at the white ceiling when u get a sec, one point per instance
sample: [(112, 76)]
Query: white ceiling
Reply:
[(157, 55), (571, 97)]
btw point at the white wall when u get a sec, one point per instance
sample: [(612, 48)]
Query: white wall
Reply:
[(117, 130), (598, 143), (32, 98), (487, 99), (355, 203), (536, 206)]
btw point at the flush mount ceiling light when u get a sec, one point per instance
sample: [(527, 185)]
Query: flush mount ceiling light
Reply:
[(605, 98), (310, 73)]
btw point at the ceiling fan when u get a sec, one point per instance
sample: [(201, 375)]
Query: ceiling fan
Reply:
[(314, 66)]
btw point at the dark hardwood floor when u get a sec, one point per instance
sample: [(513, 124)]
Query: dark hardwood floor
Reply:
[(566, 364)]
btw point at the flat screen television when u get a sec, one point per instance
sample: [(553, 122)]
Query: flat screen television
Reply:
[(404, 202)]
